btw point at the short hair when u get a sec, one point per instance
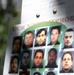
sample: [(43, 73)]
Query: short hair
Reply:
[(14, 58), (52, 49), (27, 51), (41, 31), (55, 27), (27, 73), (16, 38), (36, 73), (69, 30), (51, 73), (68, 53), (41, 51), (28, 33)]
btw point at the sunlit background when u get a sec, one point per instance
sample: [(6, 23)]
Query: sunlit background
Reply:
[(10, 14)]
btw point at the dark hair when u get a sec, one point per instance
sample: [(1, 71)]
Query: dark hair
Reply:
[(28, 33), (68, 53), (36, 73), (51, 73), (26, 52), (16, 38), (27, 73), (14, 58), (41, 51), (52, 49), (41, 31), (69, 30), (55, 27)]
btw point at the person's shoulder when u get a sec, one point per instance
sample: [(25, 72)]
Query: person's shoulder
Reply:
[(36, 45), (50, 43), (61, 71), (57, 42)]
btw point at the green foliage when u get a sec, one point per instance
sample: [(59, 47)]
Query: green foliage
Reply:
[(8, 18)]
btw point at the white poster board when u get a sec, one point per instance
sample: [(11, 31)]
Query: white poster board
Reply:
[(40, 17)]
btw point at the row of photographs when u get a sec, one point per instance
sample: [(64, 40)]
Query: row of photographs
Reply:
[(44, 37), (50, 60), (38, 73), (32, 50)]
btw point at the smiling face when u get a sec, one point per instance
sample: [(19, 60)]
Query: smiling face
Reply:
[(38, 59), (54, 36), (41, 38), (67, 61), (68, 39)]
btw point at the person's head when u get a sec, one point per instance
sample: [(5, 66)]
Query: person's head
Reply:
[(26, 58), (68, 37), (52, 55), (41, 36), (14, 63), (67, 61), (24, 73), (36, 73), (17, 44), (50, 73), (38, 57), (54, 34), (28, 39)]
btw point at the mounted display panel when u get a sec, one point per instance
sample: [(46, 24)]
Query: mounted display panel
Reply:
[(43, 44)]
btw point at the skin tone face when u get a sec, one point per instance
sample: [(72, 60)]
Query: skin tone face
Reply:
[(14, 65), (68, 39), (38, 59), (41, 38), (16, 45), (26, 58), (52, 57), (28, 39), (54, 36), (67, 61)]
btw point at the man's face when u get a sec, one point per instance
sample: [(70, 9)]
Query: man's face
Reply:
[(67, 61), (14, 65), (41, 38), (68, 38), (38, 59), (28, 39), (25, 59), (16, 45), (54, 36), (52, 57)]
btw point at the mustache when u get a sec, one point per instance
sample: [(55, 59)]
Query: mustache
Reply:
[(51, 59)]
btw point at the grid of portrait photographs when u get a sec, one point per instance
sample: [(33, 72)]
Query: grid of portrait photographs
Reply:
[(37, 52)]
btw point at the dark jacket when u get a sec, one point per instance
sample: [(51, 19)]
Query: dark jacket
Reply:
[(39, 45), (51, 66), (55, 43), (70, 71), (67, 47), (25, 47), (24, 67), (11, 71), (40, 66)]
